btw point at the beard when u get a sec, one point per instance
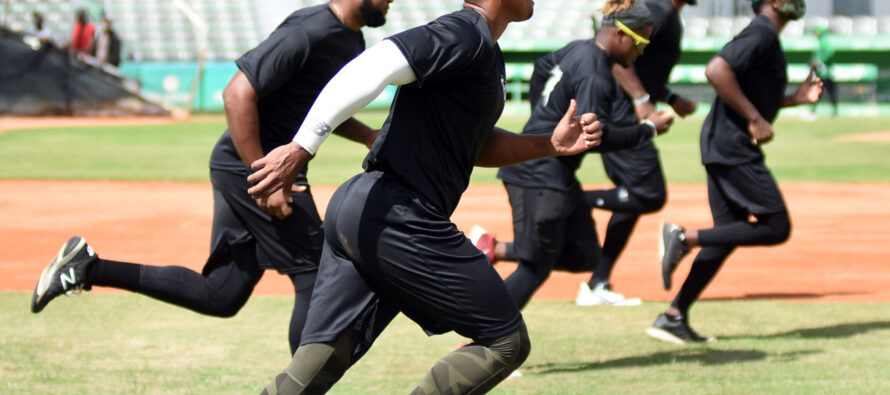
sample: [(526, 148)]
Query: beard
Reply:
[(373, 17)]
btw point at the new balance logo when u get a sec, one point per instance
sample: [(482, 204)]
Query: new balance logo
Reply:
[(69, 278)]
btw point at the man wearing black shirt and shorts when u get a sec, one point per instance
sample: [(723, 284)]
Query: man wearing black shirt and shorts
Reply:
[(265, 101), (390, 245), (552, 226), (749, 75), (636, 172)]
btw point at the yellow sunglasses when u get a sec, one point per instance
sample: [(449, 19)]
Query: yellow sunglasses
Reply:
[(640, 43)]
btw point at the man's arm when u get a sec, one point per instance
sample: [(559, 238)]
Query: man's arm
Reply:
[(243, 118), (351, 89), (808, 92), (574, 134), (723, 78), (244, 126), (357, 131), (631, 84)]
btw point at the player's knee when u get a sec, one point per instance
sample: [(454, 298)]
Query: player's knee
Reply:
[(779, 225), (225, 305), (655, 203), (513, 348)]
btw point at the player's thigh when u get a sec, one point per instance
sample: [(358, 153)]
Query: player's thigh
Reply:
[(438, 278), (539, 222), (581, 250)]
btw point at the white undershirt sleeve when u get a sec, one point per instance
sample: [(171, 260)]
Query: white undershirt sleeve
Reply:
[(352, 88)]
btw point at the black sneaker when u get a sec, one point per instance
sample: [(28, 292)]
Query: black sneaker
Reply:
[(66, 274), (671, 249), (675, 329)]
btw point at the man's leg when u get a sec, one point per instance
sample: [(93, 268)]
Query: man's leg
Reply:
[(303, 283), (618, 232), (227, 282), (315, 367), (477, 367)]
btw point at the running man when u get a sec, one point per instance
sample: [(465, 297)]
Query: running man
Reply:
[(552, 226), (265, 101), (637, 174), (749, 75), (390, 245)]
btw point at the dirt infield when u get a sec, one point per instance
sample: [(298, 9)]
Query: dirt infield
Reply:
[(839, 249)]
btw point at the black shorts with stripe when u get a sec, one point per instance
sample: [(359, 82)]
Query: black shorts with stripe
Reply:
[(289, 245), (554, 227), (387, 251)]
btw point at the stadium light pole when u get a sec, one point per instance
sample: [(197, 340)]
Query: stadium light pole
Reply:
[(201, 36)]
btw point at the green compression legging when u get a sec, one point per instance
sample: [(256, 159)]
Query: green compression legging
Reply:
[(473, 369)]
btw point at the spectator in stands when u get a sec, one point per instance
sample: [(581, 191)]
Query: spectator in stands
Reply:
[(40, 30), (82, 34), (823, 64), (108, 44)]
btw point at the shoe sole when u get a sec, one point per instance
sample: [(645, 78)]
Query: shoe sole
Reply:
[(664, 335), (50, 271)]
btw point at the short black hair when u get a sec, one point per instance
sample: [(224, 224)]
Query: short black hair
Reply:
[(757, 5)]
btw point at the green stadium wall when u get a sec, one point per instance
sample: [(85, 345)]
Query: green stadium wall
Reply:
[(863, 71)]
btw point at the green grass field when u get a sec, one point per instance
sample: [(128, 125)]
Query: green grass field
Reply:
[(801, 152), (119, 343), (102, 344)]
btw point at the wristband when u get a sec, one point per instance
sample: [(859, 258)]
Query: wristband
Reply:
[(641, 100), (651, 125)]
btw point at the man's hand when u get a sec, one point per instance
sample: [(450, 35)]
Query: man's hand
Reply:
[(575, 134), (276, 170), (761, 131), (682, 106), (810, 90), (662, 121), (278, 204)]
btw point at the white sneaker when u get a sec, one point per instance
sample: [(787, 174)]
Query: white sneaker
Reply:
[(602, 295)]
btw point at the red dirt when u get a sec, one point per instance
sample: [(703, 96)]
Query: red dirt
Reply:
[(838, 251)]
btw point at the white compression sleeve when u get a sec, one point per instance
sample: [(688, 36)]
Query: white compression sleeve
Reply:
[(351, 89)]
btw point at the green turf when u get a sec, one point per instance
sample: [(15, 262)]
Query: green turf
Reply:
[(114, 343), (801, 152)]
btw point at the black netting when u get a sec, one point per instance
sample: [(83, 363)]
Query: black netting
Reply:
[(40, 79)]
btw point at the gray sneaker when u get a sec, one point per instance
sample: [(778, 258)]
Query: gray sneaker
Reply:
[(671, 249), (675, 330), (66, 274)]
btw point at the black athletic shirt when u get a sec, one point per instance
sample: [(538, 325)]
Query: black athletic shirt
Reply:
[(288, 70), (655, 64), (582, 71), (438, 124), (758, 61)]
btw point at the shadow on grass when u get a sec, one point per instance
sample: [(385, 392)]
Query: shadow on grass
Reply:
[(701, 356), (827, 332), (785, 295)]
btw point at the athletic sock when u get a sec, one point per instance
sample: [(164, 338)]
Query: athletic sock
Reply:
[(116, 274)]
